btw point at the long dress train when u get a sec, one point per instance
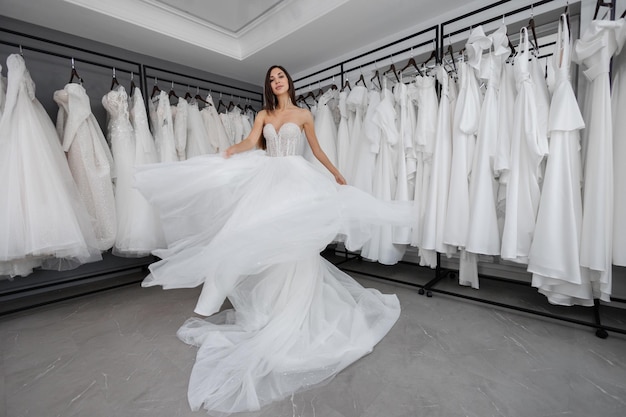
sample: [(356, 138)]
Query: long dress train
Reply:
[(250, 229)]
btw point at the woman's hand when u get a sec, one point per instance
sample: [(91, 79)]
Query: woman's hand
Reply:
[(230, 151), (340, 179)]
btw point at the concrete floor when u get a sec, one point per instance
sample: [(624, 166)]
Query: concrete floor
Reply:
[(115, 353)]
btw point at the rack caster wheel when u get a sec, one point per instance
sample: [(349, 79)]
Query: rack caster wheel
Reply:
[(421, 291), (429, 294), (602, 334)]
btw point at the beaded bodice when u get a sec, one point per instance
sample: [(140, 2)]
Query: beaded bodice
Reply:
[(287, 141)]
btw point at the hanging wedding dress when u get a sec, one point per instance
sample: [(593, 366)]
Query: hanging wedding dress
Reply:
[(214, 127), (404, 124), (383, 245), (89, 159), (554, 254), (43, 219), (527, 151), (502, 158), (250, 229), (437, 202), (163, 129), (594, 51), (424, 146), (483, 233), (362, 136), (179, 117), (131, 207), (147, 223), (326, 132), (618, 101), (343, 135), (198, 142), (465, 125)]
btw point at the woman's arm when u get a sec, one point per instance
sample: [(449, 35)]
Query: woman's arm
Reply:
[(309, 131), (252, 139)]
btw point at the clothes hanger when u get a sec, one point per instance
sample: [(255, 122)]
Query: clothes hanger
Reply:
[(413, 64), (333, 85), (221, 104), (114, 82), (361, 80), (450, 52), (392, 68), (623, 15), (172, 93), (188, 95), (199, 97), (231, 105), (74, 74), (132, 83), (346, 85), (531, 26), (155, 90), (375, 78)]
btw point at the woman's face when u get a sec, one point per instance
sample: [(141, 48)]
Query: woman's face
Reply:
[(278, 82)]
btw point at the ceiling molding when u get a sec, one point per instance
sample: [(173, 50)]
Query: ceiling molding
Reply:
[(258, 33)]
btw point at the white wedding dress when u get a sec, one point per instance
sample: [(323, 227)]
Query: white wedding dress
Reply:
[(250, 229)]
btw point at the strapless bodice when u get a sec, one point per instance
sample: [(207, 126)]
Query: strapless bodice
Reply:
[(287, 141)]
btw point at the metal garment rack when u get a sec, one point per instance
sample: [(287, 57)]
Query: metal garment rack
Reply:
[(430, 287), (28, 42), (342, 66), (150, 72)]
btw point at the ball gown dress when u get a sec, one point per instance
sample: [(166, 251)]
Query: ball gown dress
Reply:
[(250, 229)]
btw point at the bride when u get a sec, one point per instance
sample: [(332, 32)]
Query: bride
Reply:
[(249, 226)]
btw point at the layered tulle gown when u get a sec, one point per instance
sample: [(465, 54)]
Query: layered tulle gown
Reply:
[(250, 229)]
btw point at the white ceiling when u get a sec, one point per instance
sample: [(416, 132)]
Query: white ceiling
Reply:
[(239, 39)]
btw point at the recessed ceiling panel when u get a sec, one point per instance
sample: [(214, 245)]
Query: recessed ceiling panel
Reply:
[(231, 15)]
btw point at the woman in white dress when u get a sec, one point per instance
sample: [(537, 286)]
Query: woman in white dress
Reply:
[(249, 227)]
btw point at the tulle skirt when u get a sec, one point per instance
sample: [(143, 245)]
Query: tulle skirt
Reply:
[(43, 221), (250, 229)]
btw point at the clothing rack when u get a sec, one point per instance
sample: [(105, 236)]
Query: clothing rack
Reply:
[(441, 34), (358, 65), (173, 77), (113, 272)]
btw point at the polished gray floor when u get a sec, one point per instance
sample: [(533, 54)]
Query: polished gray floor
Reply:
[(115, 353)]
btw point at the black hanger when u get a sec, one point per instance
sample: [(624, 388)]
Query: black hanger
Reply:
[(155, 90), (451, 53), (392, 68), (319, 92), (414, 65), (132, 83), (302, 99), (221, 104), (600, 3), (172, 93), (200, 99), (346, 85), (114, 82), (433, 55), (623, 15), (533, 41), (361, 80), (74, 74), (376, 77)]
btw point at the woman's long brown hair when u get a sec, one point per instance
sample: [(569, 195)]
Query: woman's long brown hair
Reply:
[(270, 99)]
